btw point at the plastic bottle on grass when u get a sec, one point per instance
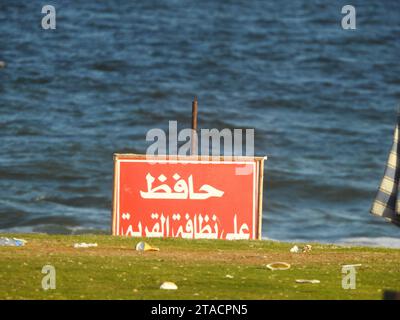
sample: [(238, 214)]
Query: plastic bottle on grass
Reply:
[(11, 242)]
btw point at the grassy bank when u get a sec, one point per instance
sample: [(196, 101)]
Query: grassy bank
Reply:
[(114, 270)]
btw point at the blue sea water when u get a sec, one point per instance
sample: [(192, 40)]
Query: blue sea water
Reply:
[(322, 101)]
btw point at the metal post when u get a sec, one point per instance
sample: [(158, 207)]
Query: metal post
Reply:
[(194, 127)]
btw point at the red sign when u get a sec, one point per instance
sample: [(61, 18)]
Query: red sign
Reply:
[(187, 197)]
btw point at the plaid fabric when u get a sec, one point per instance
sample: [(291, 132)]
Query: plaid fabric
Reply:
[(387, 201)]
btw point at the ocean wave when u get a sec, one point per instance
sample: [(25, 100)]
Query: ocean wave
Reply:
[(387, 242)]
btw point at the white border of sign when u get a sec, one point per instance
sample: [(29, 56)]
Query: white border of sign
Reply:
[(252, 161)]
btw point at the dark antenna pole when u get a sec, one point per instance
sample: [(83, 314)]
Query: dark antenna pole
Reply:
[(194, 126)]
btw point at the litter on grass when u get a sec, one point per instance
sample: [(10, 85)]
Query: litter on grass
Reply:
[(278, 266), (229, 276), (144, 246), (168, 286), (85, 245), (351, 265), (307, 281), (12, 242), (296, 249)]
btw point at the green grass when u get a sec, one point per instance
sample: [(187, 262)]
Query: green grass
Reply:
[(114, 270)]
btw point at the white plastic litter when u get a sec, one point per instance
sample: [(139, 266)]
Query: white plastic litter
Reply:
[(169, 286), (229, 276), (85, 245), (296, 249), (352, 265), (307, 281), (12, 242)]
